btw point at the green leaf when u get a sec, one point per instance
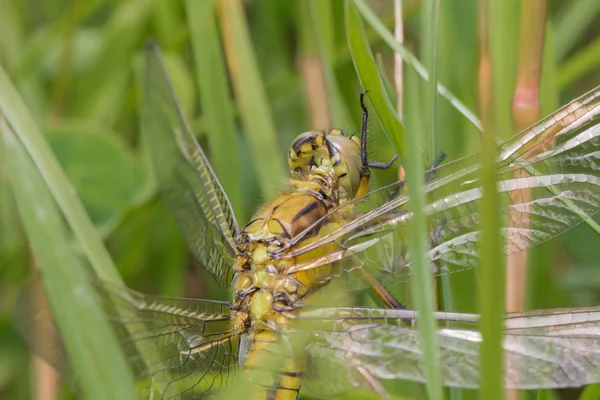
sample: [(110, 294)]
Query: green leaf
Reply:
[(370, 80), (217, 106), (101, 169), (21, 122), (575, 17), (251, 99), (321, 13), (499, 43), (91, 345), (108, 84), (579, 64), (412, 61), (591, 392)]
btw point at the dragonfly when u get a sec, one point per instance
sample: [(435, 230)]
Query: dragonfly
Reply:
[(328, 230)]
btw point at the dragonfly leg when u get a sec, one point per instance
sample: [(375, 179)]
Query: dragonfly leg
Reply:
[(438, 232), (430, 171), (366, 164), (387, 297), (373, 382), (380, 291), (282, 303), (436, 163), (380, 165)]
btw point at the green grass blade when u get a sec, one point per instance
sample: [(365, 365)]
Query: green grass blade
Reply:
[(591, 392), (101, 374), (217, 105), (321, 13), (251, 99), (498, 57), (412, 61), (574, 20), (429, 31), (579, 64), (370, 80), (422, 280), (85, 235), (119, 40), (20, 120), (35, 49)]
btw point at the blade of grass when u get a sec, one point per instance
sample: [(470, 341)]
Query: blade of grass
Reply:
[(412, 61), (216, 102), (168, 22), (422, 280), (87, 238), (579, 64), (11, 35), (76, 309), (64, 74), (398, 62), (590, 392), (20, 120), (37, 47), (573, 22), (108, 84), (429, 30), (495, 94), (390, 91), (549, 88), (311, 67), (251, 98), (525, 109), (370, 80), (321, 13)]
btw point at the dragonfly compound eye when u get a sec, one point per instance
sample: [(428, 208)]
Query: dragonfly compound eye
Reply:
[(346, 163), (306, 152)]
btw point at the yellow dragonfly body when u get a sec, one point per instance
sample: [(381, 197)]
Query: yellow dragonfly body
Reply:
[(266, 293), (329, 170), (329, 225)]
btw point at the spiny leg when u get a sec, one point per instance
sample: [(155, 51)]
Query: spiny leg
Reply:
[(380, 291)]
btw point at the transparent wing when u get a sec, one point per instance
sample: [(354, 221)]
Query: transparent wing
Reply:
[(175, 348), (542, 349), (548, 175), (188, 184)]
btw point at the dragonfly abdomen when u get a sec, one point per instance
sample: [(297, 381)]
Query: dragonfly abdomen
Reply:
[(269, 294), (272, 368)]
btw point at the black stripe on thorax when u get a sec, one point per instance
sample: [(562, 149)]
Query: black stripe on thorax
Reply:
[(306, 210), (285, 234)]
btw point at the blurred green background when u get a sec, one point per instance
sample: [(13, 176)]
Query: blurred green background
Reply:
[(77, 66)]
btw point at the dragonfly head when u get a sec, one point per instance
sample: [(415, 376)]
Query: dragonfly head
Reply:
[(329, 153), (342, 158)]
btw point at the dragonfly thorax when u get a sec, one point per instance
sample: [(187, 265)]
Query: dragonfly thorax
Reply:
[(264, 291)]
